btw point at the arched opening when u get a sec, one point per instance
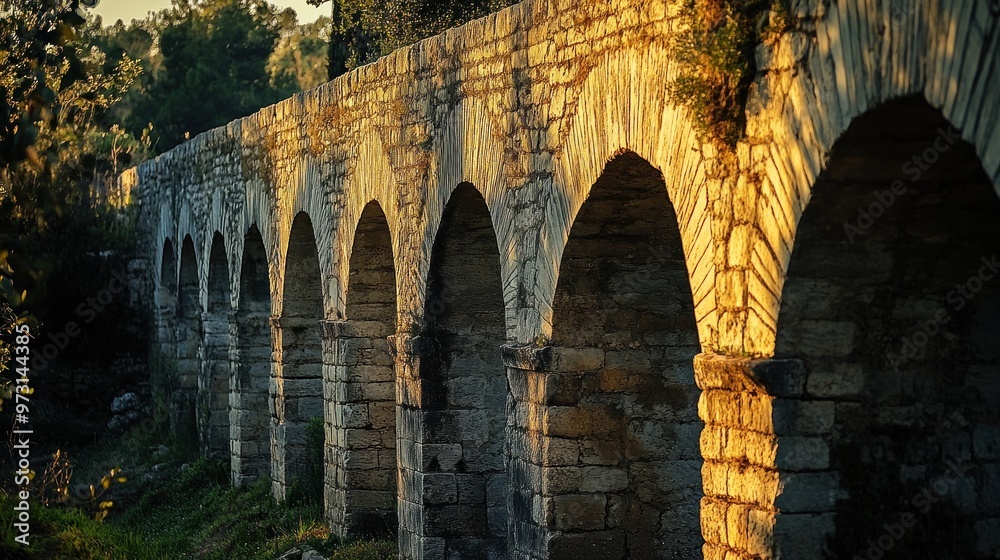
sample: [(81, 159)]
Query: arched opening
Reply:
[(297, 461), (213, 384), (362, 484), (626, 418), (465, 387), (892, 304), (251, 369), (183, 420), (164, 362)]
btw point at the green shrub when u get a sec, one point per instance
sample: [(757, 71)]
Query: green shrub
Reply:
[(715, 52)]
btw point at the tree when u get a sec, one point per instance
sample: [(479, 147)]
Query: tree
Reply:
[(362, 30), (214, 57), (55, 217), (36, 39), (299, 59)]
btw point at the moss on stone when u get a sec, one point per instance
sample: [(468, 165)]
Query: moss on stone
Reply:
[(715, 53)]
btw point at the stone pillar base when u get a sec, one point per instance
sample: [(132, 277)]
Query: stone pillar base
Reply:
[(769, 490)]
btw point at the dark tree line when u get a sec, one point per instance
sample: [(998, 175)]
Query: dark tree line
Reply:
[(363, 30)]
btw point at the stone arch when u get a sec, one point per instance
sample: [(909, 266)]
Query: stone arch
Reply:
[(461, 399), (619, 107), (164, 362), (863, 54), (624, 419), (891, 308), (297, 389), (213, 383), (361, 483), (188, 338), (251, 366)]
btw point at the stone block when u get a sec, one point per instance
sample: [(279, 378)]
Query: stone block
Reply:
[(598, 452), (562, 452), (471, 488), (440, 456), (824, 338), (801, 535), (455, 521), (579, 512), (833, 380), (803, 417), (802, 454), (439, 488), (581, 421), (361, 459), (603, 479), (807, 492), (561, 480), (384, 391), (572, 360), (780, 378), (355, 415)]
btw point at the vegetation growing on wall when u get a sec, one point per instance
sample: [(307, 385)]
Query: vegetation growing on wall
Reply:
[(715, 53)]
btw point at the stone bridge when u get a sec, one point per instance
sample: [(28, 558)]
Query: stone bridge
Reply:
[(538, 318)]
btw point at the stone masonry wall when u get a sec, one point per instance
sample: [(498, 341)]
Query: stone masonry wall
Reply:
[(361, 445), (526, 108), (628, 414), (213, 379), (296, 394), (250, 369), (890, 303), (463, 395)]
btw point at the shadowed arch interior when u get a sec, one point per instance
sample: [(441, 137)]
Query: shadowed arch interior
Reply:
[(892, 303), (361, 484), (168, 273), (188, 340), (298, 387), (164, 361), (626, 416), (464, 384), (213, 383), (251, 369)]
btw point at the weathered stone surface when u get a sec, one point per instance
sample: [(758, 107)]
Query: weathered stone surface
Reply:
[(329, 207)]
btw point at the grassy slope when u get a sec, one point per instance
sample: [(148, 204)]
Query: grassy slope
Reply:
[(172, 512)]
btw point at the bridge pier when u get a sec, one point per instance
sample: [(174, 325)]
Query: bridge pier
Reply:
[(586, 480), (188, 333), (164, 359), (767, 471), (450, 505), (295, 397), (250, 371), (213, 383), (360, 414)]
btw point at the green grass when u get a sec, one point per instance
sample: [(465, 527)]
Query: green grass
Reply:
[(177, 513)]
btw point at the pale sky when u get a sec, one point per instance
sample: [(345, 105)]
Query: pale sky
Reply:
[(127, 10)]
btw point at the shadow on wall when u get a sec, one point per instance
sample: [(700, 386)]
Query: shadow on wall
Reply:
[(892, 302), (251, 368), (297, 388), (629, 416)]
